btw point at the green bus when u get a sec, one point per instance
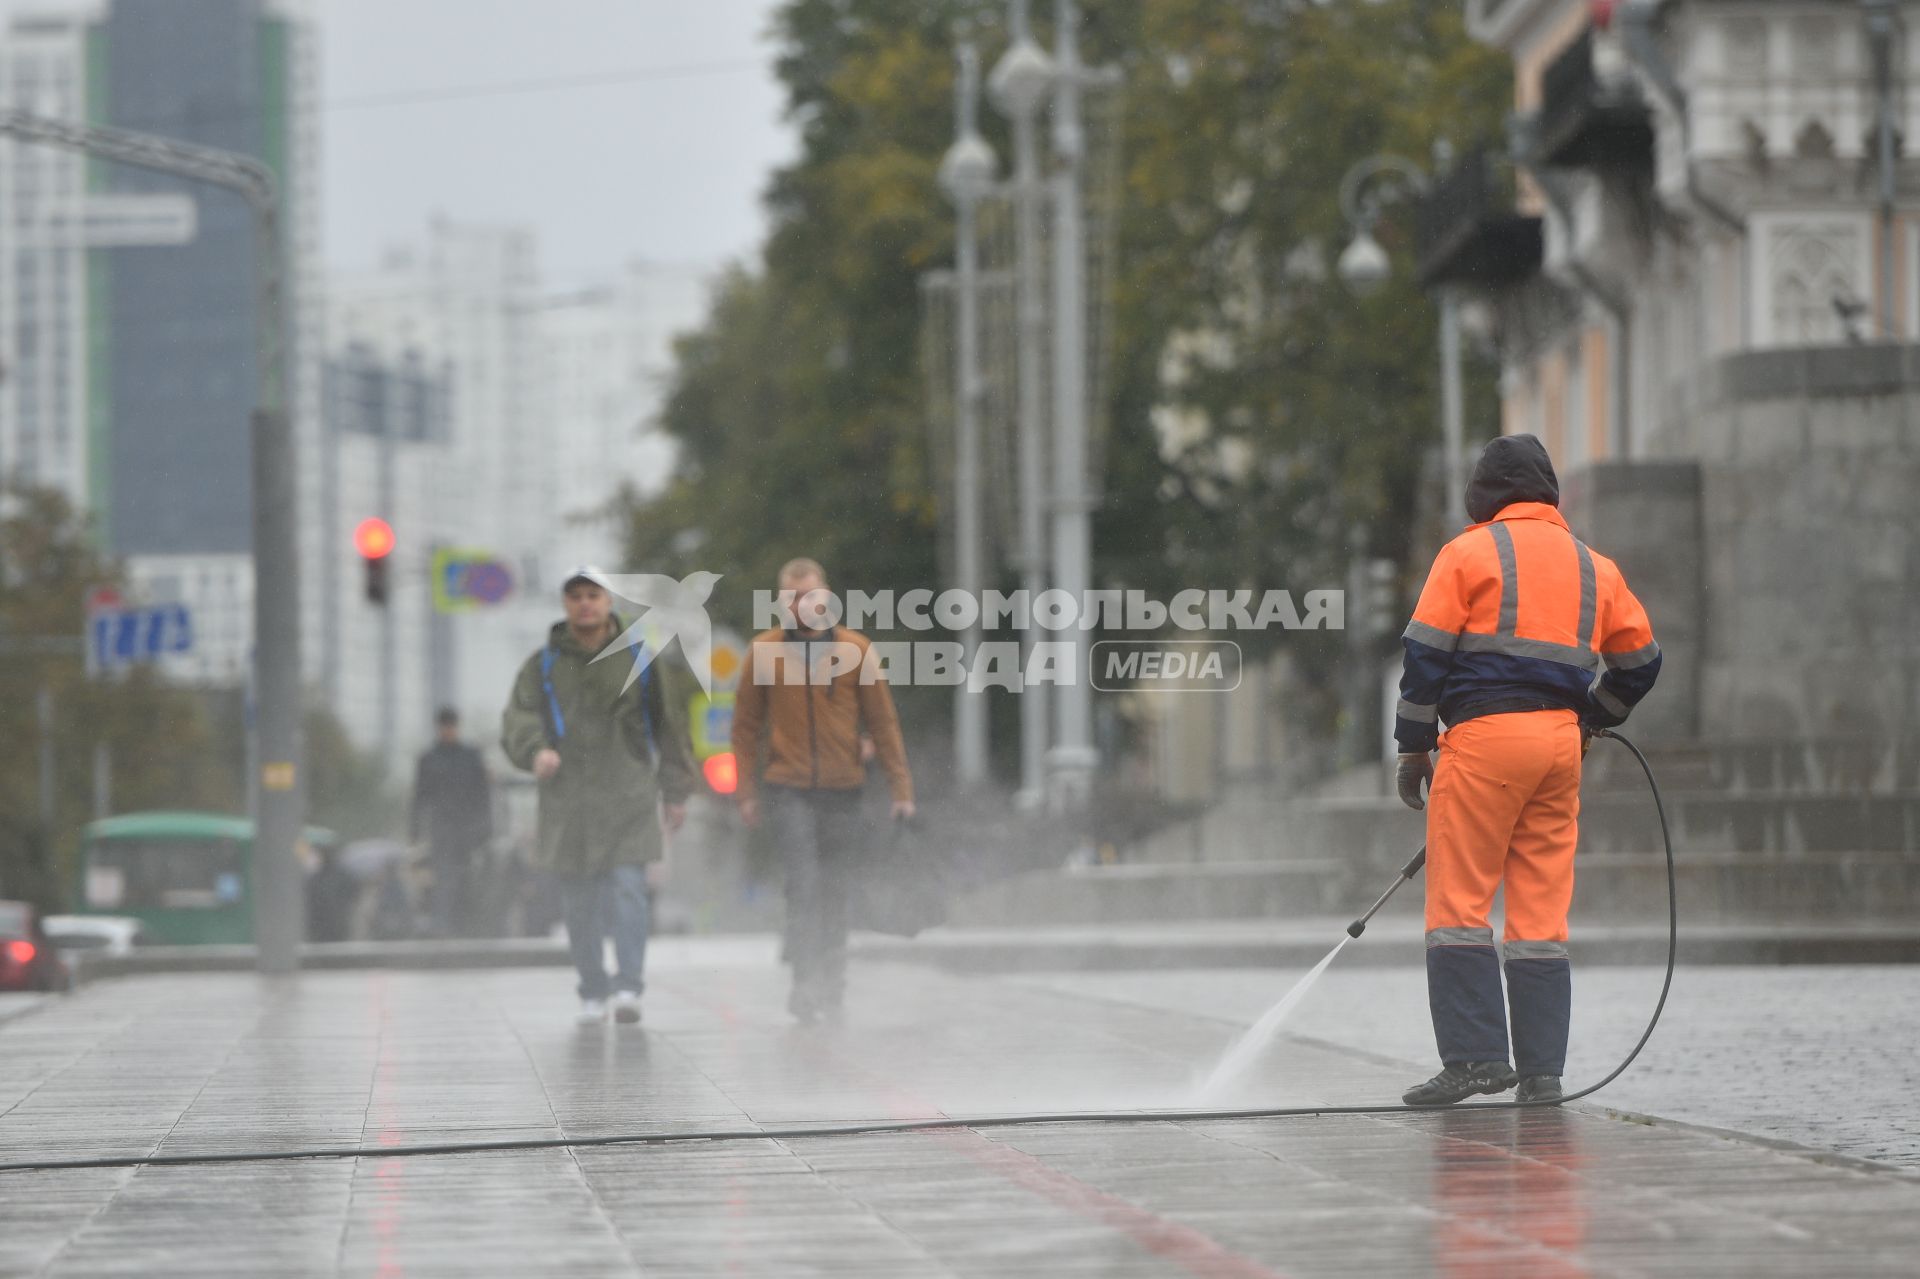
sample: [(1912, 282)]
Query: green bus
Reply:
[(187, 877)]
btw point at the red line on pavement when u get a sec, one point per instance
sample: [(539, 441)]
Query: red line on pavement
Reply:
[(1194, 1252), (1197, 1253)]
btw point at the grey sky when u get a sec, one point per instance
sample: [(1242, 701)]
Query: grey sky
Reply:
[(669, 168)]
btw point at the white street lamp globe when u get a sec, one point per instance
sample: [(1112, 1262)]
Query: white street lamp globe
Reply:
[(1021, 79), (1364, 265), (968, 169), (970, 166)]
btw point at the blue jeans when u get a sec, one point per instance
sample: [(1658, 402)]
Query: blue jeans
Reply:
[(614, 904)]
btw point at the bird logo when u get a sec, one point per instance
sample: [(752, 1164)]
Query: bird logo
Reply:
[(674, 610)]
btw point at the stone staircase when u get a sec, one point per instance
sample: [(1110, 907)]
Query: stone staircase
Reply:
[(1806, 831)]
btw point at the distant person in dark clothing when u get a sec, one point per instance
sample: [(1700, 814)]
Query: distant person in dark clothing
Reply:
[(453, 815), (332, 894)]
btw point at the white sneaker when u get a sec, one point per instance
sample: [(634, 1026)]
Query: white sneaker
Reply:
[(592, 1012), (626, 1007)]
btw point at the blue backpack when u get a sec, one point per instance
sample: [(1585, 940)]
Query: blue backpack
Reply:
[(558, 721)]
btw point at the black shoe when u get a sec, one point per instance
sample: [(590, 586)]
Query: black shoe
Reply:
[(1460, 1081), (1538, 1088)]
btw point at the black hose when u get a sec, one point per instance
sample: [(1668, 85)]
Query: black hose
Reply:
[(921, 1125), (1673, 926)]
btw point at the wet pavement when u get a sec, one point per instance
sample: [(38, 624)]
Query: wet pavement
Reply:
[(1820, 1055), (179, 1064)]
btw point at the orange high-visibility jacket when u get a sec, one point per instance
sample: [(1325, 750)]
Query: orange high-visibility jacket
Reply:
[(1518, 615)]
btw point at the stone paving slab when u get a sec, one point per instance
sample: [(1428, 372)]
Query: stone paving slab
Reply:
[(1820, 1056), (181, 1064), (18, 1005)]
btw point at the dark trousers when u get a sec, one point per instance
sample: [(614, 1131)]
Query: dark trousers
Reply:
[(818, 834), (449, 904)]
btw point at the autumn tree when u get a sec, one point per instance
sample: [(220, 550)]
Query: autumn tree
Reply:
[(159, 739), (1266, 426)]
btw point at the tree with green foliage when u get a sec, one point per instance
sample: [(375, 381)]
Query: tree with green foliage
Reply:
[(168, 747), (1260, 413), (348, 791), (163, 751)]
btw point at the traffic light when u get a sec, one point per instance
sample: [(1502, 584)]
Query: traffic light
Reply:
[(373, 538)]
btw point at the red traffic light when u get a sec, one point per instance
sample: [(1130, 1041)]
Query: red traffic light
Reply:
[(373, 538), (723, 774)]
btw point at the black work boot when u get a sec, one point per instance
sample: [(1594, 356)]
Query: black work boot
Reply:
[(1460, 1081), (1538, 1088)]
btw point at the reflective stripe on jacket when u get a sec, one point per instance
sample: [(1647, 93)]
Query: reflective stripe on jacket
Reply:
[(1517, 614)]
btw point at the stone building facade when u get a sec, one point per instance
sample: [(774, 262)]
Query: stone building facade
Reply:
[(1712, 326)]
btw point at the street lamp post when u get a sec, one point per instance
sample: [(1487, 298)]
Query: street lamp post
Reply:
[(277, 779), (1365, 267), (967, 174), (1021, 81), (1073, 758)]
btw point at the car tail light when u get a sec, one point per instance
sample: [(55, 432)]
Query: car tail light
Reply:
[(21, 952)]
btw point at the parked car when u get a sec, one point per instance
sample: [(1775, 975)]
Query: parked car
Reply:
[(27, 960), (76, 935)]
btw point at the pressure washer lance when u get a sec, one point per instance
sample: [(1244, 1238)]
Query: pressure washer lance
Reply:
[(1407, 872)]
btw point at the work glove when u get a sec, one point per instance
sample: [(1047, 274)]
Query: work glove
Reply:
[(1415, 767)]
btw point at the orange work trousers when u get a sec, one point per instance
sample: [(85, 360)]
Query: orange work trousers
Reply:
[(1504, 807)]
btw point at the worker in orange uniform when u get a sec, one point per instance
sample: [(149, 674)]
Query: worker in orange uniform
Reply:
[(1522, 642)]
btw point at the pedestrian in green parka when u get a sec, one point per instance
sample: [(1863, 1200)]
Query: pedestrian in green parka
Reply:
[(614, 765)]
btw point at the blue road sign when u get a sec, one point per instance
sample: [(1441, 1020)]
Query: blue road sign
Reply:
[(125, 637)]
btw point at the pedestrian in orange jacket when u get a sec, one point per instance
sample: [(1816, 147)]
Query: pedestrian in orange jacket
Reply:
[(1522, 642), (807, 695)]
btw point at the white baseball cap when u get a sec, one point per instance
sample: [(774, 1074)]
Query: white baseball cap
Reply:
[(586, 573)]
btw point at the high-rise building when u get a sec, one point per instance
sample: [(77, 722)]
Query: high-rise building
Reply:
[(44, 423), (131, 301), (386, 425), (549, 405), (462, 307), (607, 356), (173, 337)]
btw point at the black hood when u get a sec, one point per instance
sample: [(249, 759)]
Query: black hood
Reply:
[(1512, 468)]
